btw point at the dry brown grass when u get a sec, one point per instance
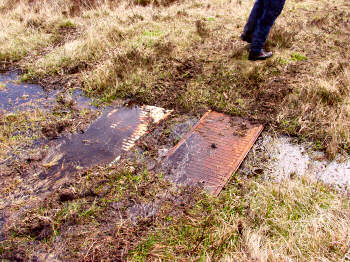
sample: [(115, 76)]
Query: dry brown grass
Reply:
[(186, 55), (321, 89)]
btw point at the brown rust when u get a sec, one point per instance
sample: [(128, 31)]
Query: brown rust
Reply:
[(212, 151)]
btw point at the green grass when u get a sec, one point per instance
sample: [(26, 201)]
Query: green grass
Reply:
[(298, 57), (67, 24)]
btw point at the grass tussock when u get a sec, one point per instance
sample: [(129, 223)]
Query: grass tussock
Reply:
[(16, 131)]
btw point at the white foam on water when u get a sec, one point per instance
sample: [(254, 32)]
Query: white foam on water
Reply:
[(281, 159)]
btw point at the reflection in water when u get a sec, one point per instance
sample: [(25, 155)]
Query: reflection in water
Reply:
[(15, 95), (115, 132), (82, 101)]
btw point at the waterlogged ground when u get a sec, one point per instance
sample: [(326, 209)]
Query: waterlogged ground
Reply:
[(184, 56), (64, 138), (115, 132), (31, 120), (279, 158), (87, 170), (15, 95)]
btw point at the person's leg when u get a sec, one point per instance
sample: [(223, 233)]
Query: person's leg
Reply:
[(254, 16), (272, 9)]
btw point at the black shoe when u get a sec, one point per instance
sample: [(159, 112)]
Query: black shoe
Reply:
[(262, 56), (247, 37)]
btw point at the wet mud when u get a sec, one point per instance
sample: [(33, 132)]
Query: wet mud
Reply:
[(2, 221)]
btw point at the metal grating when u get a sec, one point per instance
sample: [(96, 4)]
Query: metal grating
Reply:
[(114, 133), (212, 151)]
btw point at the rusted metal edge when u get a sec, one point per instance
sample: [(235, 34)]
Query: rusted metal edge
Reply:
[(183, 139), (235, 168)]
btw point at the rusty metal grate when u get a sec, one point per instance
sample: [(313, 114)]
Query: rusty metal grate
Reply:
[(114, 133), (212, 151)]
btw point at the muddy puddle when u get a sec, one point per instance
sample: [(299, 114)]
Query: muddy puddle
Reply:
[(279, 158), (81, 101), (114, 133), (15, 95), (18, 96)]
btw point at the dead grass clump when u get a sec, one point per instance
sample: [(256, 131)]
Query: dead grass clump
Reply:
[(320, 20), (22, 124), (238, 51), (119, 69), (202, 29), (34, 22), (328, 96), (7, 5), (281, 38), (76, 7), (123, 65), (154, 2), (325, 98), (163, 49), (37, 227)]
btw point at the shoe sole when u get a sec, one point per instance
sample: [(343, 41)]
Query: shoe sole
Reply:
[(259, 58)]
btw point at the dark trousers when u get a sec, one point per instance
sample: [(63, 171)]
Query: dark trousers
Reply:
[(260, 21)]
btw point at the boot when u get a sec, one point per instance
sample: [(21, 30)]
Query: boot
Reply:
[(247, 37), (263, 55)]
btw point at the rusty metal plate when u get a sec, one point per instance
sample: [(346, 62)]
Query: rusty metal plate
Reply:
[(212, 151), (115, 132)]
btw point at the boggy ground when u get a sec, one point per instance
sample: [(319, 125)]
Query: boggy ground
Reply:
[(185, 56), (129, 211)]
